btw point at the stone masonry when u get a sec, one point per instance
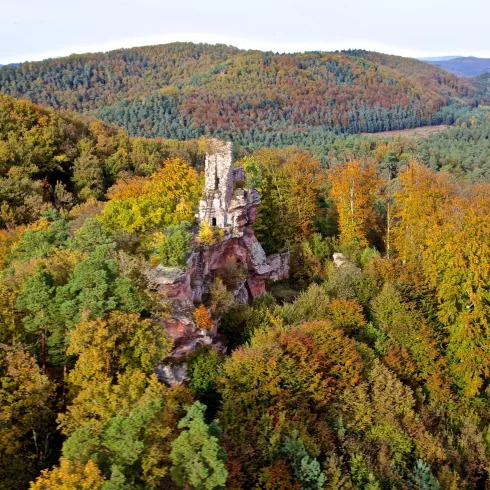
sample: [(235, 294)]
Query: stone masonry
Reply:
[(226, 201)]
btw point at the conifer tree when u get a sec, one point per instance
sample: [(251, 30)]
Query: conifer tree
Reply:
[(197, 459)]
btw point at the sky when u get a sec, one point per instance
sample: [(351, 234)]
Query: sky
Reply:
[(38, 29)]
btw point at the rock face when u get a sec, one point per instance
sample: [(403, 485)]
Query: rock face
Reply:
[(339, 260), (172, 374), (227, 204)]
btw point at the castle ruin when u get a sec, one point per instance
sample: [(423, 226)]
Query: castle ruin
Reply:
[(227, 202)]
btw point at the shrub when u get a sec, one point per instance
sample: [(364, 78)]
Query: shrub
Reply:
[(221, 298), (232, 272), (206, 235), (202, 318)]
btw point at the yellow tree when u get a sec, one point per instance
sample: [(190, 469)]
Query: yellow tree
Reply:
[(26, 415), (116, 359), (456, 262), (306, 179), (354, 188), (168, 197), (420, 204), (70, 476)]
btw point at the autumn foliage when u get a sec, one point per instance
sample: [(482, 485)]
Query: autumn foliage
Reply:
[(168, 197), (368, 372), (354, 187), (202, 318)]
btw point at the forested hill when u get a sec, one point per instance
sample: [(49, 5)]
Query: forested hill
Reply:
[(482, 83), (464, 66), (184, 90)]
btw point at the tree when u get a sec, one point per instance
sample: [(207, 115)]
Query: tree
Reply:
[(421, 478), (88, 175), (221, 298), (41, 238), (420, 204), (167, 198), (90, 236), (206, 236), (202, 318), (197, 459), (35, 298), (116, 359), (455, 261), (354, 188), (204, 367), (306, 180), (117, 448), (290, 186), (306, 470), (175, 245), (68, 475), (95, 288), (27, 417)]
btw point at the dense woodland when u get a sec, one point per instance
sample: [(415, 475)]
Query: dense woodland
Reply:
[(185, 90), (373, 375)]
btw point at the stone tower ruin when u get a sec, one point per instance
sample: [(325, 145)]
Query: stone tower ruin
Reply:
[(226, 202)]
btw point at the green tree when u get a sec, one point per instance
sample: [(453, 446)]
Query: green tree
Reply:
[(197, 459), (421, 478), (175, 245), (204, 366), (95, 288), (116, 449), (306, 470), (90, 236), (88, 175), (35, 299), (41, 238)]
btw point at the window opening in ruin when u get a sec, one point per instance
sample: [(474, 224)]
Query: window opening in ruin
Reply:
[(213, 221)]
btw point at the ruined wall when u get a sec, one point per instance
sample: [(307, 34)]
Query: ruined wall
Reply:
[(218, 186)]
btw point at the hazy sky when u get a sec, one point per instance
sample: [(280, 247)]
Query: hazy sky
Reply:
[(37, 29)]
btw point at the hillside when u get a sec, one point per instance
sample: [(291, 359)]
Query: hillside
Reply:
[(60, 159), (184, 90), (482, 84), (467, 66), (367, 368)]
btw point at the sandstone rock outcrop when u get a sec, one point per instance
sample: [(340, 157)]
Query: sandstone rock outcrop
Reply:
[(228, 204)]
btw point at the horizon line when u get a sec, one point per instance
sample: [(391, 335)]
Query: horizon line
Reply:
[(240, 43)]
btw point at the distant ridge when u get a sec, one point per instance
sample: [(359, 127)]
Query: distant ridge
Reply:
[(464, 66), (439, 58), (186, 90)]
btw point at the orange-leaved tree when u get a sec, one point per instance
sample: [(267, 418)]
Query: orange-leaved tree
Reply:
[(70, 475), (354, 187), (202, 318)]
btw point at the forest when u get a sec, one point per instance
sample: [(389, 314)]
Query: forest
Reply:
[(370, 375), (184, 91)]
